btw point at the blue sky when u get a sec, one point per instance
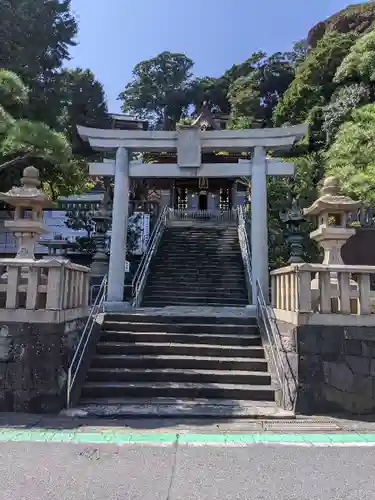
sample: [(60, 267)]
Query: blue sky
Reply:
[(117, 34)]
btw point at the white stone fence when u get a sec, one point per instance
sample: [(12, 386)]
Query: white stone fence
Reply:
[(43, 291), (323, 295)]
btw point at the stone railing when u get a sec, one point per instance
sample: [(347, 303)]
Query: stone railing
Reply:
[(43, 291), (323, 295)]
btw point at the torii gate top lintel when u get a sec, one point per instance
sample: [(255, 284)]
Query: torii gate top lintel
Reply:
[(193, 138), (189, 143)]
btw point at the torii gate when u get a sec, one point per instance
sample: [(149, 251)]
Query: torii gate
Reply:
[(190, 142)]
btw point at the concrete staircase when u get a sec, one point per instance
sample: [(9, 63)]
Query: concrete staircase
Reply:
[(174, 364), (197, 265)]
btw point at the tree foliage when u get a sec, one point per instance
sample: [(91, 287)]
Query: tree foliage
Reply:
[(256, 95), (24, 142), (160, 89), (41, 104), (359, 64), (313, 84), (343, 102), (35, 36), (351, 156), (82, 102)]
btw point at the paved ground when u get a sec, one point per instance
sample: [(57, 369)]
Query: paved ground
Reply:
[(45, 458), (39, 471)]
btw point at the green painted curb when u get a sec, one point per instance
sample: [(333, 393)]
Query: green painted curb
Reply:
[(116, 437)]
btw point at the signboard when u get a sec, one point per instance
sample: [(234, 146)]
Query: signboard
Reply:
[(146, 232), (143, 228), (127, 266)]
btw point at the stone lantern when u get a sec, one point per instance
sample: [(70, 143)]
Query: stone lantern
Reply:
[(58, 248), (332, 210), (29, 202), (294, 218)]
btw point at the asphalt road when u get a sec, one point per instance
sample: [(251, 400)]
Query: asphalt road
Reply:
[(51, 471)]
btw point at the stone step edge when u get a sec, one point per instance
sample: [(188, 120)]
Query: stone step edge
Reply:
[(177, 344), (178, 385), (186, 409), (192, 371), (250, 336), (182, 357), (197, 325)]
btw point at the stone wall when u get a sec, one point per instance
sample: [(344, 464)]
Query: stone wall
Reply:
[(334, 367), (34, 359)]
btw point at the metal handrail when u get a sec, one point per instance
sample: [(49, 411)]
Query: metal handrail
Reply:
[(149, 243), (140, 276), (96, 309), (270, 334), (245, 249)]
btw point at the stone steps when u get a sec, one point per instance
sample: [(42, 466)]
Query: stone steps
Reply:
[(213, 268), (203, 297), (196, 266), (179, 375), (196, 291), (178, 389), (181, 338), (190, 328), (180, 349), (154, 355), (194, 283), (181, 362), (180, 319), (215, 409), (201, 278), (180, 303), (199, 262), (195, 299)]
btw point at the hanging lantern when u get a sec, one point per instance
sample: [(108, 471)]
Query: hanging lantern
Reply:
[(203, 183)]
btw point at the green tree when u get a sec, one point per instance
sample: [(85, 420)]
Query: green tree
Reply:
[(303, 186), (254, 97), (212, 90), (351, 156), (313, 84), (36, 35), (24, 142), (35, 39), (359, 65), (343, 102), (160, 90), (299, 53), (83, 102)]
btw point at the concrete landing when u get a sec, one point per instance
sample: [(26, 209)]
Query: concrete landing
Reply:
[(165, 408)]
